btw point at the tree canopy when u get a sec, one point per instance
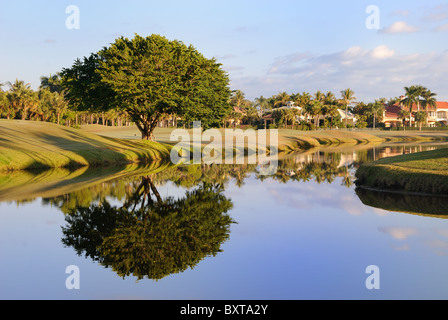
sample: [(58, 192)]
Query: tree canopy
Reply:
[(149, 78)]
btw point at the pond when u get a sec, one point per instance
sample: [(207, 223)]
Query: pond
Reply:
[(222, 232)]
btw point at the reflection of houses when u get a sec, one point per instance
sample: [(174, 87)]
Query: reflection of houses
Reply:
[(437, 114)]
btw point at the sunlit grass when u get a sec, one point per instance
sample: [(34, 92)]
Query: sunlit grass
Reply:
[(423, 172), (31, 145)]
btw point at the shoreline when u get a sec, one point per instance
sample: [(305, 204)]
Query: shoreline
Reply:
[(424, 173), (33, 145)]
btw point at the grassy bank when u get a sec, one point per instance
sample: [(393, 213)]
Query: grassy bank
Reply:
[(292, 140), (39, 145), (32, 145), (422, 172)]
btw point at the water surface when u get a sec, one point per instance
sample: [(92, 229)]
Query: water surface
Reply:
[(222, 232)]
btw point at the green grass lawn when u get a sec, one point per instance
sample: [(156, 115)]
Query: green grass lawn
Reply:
[(422, 172), (291, 140), (31, 145)]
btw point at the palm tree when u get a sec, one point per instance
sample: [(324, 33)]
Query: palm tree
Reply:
[(19, 96), (429, 100), (262, 102), (411, 98), (420, 90), (59, 105), (301, 100), (330, 107), (420, 117), (52, 83), (403, 115), (237, 99), (281, 99), (375, 109), (348, 96)]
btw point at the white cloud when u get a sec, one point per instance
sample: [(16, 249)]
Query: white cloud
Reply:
[(382, 52), (441, 28), (399, 27), (437, 13), (403, 13), (374, 73)]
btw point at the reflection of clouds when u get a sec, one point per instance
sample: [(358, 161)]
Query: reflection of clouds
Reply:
[(442, 232), (440, 247), (404, 247), (381, 212), (399, 233), (430, 240), (306, 196)]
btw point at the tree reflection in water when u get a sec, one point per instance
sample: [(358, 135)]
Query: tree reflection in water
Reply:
[(151, 237), (148, 236)]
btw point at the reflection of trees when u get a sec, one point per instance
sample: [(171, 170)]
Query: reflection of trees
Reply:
[(321, 168), (150, 236), (402, 202)]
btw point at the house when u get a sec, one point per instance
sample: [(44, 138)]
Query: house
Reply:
[(347, 115), (437, 114)]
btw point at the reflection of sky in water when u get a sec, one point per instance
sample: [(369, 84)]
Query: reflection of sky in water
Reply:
[(293, 240), (296, 240)]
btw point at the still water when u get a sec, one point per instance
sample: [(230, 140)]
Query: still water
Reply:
[(222, 232)]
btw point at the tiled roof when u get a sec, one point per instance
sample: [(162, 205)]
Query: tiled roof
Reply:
[(392, 111)]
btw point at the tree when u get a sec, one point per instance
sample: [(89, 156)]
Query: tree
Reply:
[(348, 96), (412, 97), (237, 98), (403, 115), (52, 83), (376, 109), (262, 103), (4, 103), (314, 109), (149, 78), (281, 99), (420, 118), (330, 107), (20, 97), (429, 101)]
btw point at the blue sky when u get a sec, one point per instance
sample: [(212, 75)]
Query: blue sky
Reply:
[(266, 46)]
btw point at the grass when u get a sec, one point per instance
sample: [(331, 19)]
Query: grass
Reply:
[(293, 140), (422, 172), (33, 145), (23, 185), (38, 145)]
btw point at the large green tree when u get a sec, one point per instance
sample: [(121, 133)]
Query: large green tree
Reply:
[(149, 78)]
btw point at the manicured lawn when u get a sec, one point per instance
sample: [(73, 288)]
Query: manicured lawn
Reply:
[(422, 172), (30, 145)]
